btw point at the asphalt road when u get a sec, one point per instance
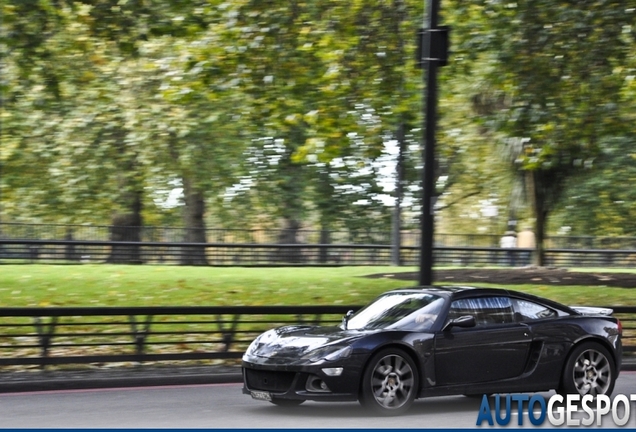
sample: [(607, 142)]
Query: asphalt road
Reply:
[(223, 406)]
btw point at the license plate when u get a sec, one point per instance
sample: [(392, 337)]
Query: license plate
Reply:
[(261, 395)]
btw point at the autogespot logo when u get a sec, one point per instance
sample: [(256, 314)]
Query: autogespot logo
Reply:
[(558, 410)]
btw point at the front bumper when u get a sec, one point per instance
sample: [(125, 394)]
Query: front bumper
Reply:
[(308, 382)]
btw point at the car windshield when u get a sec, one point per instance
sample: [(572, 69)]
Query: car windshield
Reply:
[(399, 311)]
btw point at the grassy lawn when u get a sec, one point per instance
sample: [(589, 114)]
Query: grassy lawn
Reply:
[(119, 285)]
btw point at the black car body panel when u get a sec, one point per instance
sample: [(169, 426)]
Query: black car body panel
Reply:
[(524, 348)]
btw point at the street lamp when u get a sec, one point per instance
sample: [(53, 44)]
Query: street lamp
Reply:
[(432, 53)]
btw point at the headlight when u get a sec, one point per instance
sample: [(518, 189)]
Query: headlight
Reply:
[(262, 339), (330, 353)]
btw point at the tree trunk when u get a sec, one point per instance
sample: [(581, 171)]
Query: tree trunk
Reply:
[(193, 213), (325, 238), (541, 214), (328, 210), (126, 227), (70, 254), (289, 235), (396, 234), (539, 254), (292, 193)]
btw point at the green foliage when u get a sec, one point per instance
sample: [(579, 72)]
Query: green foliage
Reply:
[(553, 75), (295, 68), (116, 118), (600, 204), (275, 111)]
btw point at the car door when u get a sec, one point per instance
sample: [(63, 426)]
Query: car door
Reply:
[(496, 348)]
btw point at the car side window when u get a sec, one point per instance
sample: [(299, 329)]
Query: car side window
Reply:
[(486, 310), (528, 311)]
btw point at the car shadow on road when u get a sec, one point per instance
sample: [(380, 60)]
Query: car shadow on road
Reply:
[(437, 412), (347, 410)]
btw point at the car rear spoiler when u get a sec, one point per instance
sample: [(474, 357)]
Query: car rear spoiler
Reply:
[(589, 310)]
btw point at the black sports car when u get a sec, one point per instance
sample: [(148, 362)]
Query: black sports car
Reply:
[(434, 341)]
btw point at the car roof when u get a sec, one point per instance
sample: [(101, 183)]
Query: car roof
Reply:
[(463, 291)]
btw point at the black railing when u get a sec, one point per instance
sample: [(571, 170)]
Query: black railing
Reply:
[(409, 237), (81, 335), (73, 335), (257, 254)]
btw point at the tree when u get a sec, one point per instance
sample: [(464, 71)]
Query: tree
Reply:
[(556, 71), (600, 204), (295, 70), (197, 125), (50, 170), (279, 113), (111, 101), (362, 88)]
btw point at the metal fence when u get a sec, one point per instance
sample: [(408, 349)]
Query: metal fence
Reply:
[(80, 335), (409, 237), (75, 335), (31, 243), (256, 254)]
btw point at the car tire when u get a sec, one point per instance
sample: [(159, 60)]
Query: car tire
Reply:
[(590, 369), (390, 383), (286, 403)]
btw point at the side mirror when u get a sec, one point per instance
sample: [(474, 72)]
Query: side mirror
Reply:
[(464, 321), (345, 319)]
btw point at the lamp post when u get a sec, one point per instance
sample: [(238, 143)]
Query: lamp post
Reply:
[(432, 53)]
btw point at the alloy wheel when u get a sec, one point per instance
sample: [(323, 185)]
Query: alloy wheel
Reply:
[(592, 373), (392, 382)]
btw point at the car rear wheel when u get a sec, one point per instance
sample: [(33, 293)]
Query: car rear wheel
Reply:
[(389, 383), (590, 369)]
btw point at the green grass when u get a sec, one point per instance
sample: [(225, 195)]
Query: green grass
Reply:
[(119, 285), (110, 285)]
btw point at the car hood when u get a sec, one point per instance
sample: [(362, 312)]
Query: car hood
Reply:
[(296, 342)]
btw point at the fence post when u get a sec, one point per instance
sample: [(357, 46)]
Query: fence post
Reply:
[(140, 336), (45, 335)]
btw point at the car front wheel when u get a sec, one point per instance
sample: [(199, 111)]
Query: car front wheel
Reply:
[(590, 369), (390, 383)]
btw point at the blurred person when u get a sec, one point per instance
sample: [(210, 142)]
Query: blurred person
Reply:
[(509, 242), (525, 240)]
